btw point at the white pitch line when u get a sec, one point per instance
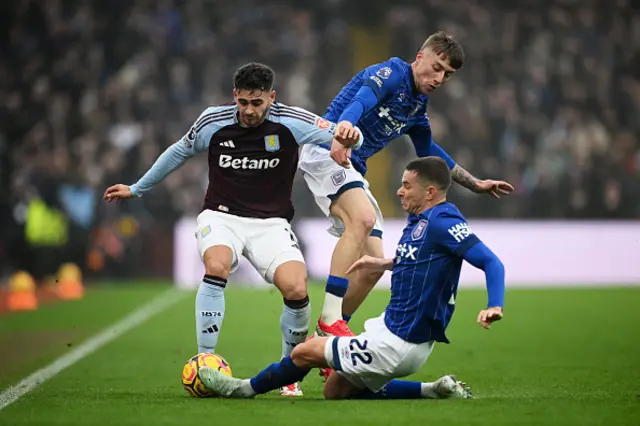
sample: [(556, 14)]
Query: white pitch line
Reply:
[(140, 315)]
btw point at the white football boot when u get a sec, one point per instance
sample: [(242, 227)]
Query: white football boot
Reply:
[(220, 383), (447, 387)]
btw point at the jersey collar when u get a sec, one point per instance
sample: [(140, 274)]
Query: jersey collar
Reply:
[(428, 211)]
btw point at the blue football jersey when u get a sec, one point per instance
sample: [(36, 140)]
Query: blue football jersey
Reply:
[(400, 110), (426, 270)]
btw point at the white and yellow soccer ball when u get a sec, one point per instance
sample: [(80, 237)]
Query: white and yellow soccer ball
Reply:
[(190, 380)]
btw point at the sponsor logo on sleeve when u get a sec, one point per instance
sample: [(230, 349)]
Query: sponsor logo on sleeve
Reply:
[(377, 80), (384, 73), (460, 231), (190, 138), (322, 124)]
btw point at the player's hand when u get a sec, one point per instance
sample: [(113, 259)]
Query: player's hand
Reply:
[(488, 316), (495, 188), (346, 134), (117, 192), (340, 154), (370, 263)]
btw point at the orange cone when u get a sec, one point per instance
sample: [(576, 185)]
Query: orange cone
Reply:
[(22, 292), (70, 282)]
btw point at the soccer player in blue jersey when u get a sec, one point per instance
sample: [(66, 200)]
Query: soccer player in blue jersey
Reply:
[(424, 287), (385, 100)]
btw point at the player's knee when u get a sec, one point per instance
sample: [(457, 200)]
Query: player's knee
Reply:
[(330, 393), (334, 392), (310, 354), (217, 261), (361, 225), (296, 292), (296, 298), (368, 221), (291, 279), (302, 356), (217, 268), (357, 214)]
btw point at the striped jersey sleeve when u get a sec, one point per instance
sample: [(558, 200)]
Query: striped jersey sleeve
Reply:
[(306, 127), (196, 140), (209, 122)]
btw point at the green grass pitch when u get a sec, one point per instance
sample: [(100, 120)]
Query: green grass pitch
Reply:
[(565, 357)]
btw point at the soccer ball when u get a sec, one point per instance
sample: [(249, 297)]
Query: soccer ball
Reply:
[(190, 380)]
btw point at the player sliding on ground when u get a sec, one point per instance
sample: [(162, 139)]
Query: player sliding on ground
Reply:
[(386, 100), (424, 286), (252, 148)]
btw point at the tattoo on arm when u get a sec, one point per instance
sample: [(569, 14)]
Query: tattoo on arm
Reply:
[(464, 178)]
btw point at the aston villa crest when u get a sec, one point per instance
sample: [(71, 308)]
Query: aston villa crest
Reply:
[(271, 143)]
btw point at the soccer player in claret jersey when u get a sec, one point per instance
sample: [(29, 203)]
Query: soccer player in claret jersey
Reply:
[(424, 287), (252, 147), (386, 100)]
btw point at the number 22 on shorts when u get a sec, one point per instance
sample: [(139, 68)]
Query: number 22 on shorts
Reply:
[(359, 352)]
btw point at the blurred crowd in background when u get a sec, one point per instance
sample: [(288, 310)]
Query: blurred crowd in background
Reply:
[(94, 91)]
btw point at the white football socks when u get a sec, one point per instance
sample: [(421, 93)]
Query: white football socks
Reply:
[(209, 312)]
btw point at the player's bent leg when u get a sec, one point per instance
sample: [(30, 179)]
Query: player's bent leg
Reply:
[(210, 304), (446, 387), (290, 369), (367, 364), (311, 354), (355, 210), (273, 250), (363, 281), (291, 279)]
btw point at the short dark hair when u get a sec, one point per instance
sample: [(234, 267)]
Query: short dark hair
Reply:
[(253, 76), (431, 170), (443, 44)]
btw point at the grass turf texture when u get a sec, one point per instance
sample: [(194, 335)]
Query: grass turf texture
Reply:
[(559, 357)]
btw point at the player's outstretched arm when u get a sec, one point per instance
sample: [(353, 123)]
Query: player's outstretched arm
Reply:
[(425, 146), (483, 258), (495, 188), (379, 81), (364, 101), (171, 159), (196, 140)]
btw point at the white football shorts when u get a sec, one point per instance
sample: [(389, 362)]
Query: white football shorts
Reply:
[(327, 180), (375, 357), (266, 243)]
